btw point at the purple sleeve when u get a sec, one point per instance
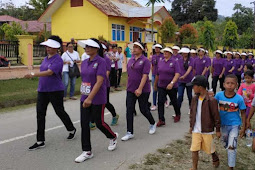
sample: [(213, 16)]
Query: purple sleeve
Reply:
[(224, 63), (146, 67), (108, 63), (177, 68), (208, 62), (56, 66), (191, 62), (101, 70)]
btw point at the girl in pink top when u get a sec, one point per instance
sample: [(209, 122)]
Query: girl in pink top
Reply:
[(247, 90)]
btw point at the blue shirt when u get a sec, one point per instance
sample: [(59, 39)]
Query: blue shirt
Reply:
[(230, 108)]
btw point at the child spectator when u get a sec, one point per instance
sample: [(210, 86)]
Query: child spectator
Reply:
[(204, 118), (248, 122), (247, 90), (231, 104)]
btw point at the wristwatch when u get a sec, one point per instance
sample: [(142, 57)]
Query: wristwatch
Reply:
[(172, 82), (32, 73)]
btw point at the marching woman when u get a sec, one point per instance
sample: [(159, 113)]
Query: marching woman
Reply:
[(217, 70), (229, 64), (186, 64), (250, 59), (193, 53), (238, 67), (209, 61), (154, 63), (93, 97), (166, 83), (50, 90), (201, 64), (176, 56), (138, 88)]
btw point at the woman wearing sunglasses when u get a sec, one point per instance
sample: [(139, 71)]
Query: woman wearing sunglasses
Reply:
[(138, 88), (93, 97)]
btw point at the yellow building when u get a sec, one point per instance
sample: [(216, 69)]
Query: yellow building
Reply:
[(117, 21)]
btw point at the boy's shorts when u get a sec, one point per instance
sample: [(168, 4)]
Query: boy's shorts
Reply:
[(202, 142)]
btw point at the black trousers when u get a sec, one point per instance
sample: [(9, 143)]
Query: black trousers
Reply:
[(56, 99), (113, 78), (119, 75), (143, 105), (162, 93), (108, 105), (97, 112), (215, 82), (239, 78)]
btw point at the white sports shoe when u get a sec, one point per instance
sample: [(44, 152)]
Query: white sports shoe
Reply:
[(113, 143), (152, 129), (153, 108), (84, 156), (127, 136)]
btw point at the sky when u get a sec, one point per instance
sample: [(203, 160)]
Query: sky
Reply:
[(225, 7)]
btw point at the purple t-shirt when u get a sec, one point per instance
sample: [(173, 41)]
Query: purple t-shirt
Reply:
[(200, 65), (183, 71), (54, 82), (166, 72), (238, 64), (176, 57), (89, 72), (250, 61), (154, 62), (209, 63), (136, 69), (218, 64), (228, 64), (108, 68)]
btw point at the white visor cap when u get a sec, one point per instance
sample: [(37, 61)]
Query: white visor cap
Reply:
[(104, 47), (193, 51), (244, 54), (250, 54), (158, 46), (138, 44), (228, 52), (218, 51), (176, 48), (184, 50), (168, 50), (51, 43), (88, 42)]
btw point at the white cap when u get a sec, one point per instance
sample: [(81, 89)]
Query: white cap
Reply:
[(138, 44), (168, 49), (237, 53), (176, 48), (104, 47), (228, 52), (200, 49), (184, 50), (88, 42), (244, 54), (218, 51), (158, 46), (250, 54), (51, 43), (193, 51), (206, 51)]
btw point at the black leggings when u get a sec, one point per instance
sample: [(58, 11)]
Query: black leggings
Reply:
[(215, 82)]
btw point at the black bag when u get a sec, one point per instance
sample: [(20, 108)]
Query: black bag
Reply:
[(73, 71)]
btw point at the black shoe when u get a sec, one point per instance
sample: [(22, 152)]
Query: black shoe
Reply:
[(71, 135), (36, 146)]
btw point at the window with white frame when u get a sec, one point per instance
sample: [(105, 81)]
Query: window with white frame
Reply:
[(118, 32), (133, 31)]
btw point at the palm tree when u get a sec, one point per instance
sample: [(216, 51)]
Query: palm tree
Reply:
[(152, 3)]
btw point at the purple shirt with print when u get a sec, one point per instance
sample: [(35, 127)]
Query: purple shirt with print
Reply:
[(166, 72), (54, 82), (154, 62), (228, 64), (108, 68), (217, 64), (136, 69), (176, 57), (238, 64), (200, 65), (250, 61), (89, 72), (183, 70)]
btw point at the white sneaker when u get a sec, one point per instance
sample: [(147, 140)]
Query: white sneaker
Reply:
[(128, 136), (84, 156), (189, 112), (152, 129), (153, 108), (113, 143), (173, 116)]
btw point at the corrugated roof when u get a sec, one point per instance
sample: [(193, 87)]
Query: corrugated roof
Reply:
[(7, 18)]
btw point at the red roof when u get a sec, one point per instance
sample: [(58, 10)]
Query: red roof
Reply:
[(34, 26), (7, 18)]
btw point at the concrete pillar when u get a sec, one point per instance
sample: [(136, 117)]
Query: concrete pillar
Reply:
[(26, 49)]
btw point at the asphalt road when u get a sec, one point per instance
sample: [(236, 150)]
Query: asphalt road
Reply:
[(17, 133)]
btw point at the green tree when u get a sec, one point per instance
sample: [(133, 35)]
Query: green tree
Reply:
[(152, 3), (39, 6), (167, 30), (243, 17), (230, 36), (188, 34), (10, 30), (246, 39), (209, 35)]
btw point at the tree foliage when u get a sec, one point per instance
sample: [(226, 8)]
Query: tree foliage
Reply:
[(230, 36), (191, 11), (208, 35), (39, 6), (246, 39), (10, 30), (167, 30), (188, 34)]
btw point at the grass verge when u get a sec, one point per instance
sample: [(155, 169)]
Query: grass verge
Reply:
[(17, 92)]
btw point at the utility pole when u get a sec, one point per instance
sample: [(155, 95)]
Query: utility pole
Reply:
[(253, 25)]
